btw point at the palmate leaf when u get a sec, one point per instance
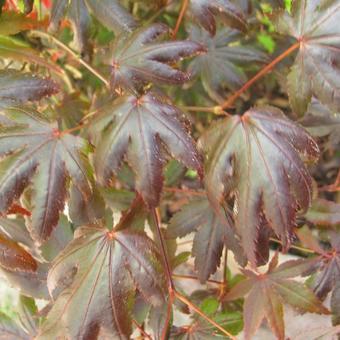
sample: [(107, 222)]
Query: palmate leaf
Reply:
[(142, 129), (219, 69), (213, 232), (326, 265), (140, 58), (108, 12), (265, 294), (14, 257), (16, 86), (36, 151), (204, 11), (322, 122), (315, 24), (256, 159), (108, 267)]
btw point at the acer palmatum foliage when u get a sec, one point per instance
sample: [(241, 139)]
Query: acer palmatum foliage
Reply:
[(113, 148)]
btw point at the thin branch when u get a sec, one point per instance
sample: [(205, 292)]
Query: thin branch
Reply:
[(189, 277), (75, 56), (142, 331), (200, 313), (224, 284), (185, 4), (156, 221), (217, 110), (230, 101), (303, 249), (333, 187), (184, 191)]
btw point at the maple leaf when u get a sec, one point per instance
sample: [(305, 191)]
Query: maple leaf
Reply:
[(14, 257), (142, 129), (213, 231), (219, 68), (204, 11), (140, 58), (35, 150), (326, 265), (324, 213), (316, 69), (265, 293), (109, 12), (108, 267), (16, 86), (322, 122), (255, 158)]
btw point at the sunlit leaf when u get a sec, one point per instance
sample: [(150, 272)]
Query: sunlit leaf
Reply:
[(316, 69), (256, 159), (36, 151), (142, 129)]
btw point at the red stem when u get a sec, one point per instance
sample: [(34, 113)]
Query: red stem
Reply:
[(228, 103)]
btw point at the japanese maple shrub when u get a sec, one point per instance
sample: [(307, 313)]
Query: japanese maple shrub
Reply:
[(128, 125)]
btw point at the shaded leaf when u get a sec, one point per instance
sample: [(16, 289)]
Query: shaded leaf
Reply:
[(140, 58), (256, 159), (324, 213), (21, 87), (10, 330), (141, 129), (220, 68), (265, 295), (316, 69), (321, 122), (213, 232), (205, 11), (109, 266), (327, 266), (36, 151), (109, 13)]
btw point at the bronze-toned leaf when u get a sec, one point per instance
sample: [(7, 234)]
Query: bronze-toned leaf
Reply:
[(141, 129), (141, 58), (314, 24), (36, 151), (258, 160), (109, 267)]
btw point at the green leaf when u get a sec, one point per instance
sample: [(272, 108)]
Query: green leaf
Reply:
[(142, 129), (256, 159), (35, 150), (11, 48), (204, 11), (109, 267), (10, 330), (315, 71), (209, 306), (140, 58), (14, 22)]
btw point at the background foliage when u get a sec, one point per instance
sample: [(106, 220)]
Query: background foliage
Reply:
[(128, 125)]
